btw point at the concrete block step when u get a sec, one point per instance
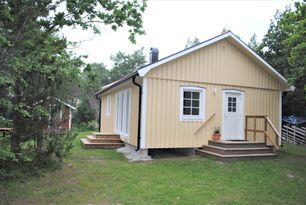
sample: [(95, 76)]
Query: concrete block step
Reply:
[(236, 144), (237, 150), (94, 139), (87, 144), (234, 157)]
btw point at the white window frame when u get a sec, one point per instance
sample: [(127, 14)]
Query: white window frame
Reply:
[(108, 105), (202, 103), (122, 128)]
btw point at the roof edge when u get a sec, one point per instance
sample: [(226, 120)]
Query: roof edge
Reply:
[(143, 71), (115, 83)]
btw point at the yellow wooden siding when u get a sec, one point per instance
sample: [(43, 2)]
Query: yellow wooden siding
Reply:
[(108, 122), (164, 128), (219, 63)]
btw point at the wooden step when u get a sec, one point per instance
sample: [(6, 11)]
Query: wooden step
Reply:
[(87, 144), (234, 157), (236, 144), (105, 135), (237, 150), (94, 139)]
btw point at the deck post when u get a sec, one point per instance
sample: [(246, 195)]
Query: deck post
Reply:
[(255, 128), (246, 128), (266, 128)]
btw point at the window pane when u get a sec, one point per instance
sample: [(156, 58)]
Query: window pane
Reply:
[(234, 104), (234, 109), (229, 104), (186, 111), (195, 103), (127, 112), (195, 111), (187, 94), (229, 109), (187, 103), (195, 95), (121, 109)]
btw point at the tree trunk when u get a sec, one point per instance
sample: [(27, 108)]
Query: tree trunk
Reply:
[(15, 143)]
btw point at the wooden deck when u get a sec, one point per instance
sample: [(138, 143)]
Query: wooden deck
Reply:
[(102, 141), (236, 150)]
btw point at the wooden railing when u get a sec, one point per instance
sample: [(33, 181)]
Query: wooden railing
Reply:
[(267, 136), (294, 134), (204, 123)]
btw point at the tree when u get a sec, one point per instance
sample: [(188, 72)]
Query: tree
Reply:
[(94, 77), (85, 112), (284, 48), (193, 42), (224, 30), (253, 42), (124, 64), (35, 66)]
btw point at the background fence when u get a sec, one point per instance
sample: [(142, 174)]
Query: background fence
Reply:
[(294, 134)]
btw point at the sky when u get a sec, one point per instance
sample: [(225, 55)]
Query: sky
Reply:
[(169, 23)]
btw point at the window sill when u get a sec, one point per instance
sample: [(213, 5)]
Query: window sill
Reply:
[(191, 119)]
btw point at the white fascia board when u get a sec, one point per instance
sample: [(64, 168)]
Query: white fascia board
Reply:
[(143, 113), (142, 72)]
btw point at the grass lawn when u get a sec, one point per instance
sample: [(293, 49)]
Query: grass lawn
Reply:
[(105, 177)]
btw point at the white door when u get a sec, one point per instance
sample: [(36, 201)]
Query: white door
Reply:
[(232, 119)]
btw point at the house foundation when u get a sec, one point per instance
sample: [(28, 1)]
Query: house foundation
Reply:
[(132, 155)]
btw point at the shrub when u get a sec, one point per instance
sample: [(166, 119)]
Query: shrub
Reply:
[(55, 146), (85, 126)]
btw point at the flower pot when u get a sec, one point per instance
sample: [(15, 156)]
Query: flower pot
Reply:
[(216, 136)]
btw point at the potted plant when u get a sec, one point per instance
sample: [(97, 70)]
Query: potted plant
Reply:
[(217, 134)]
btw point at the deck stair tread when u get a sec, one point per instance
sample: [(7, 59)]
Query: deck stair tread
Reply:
[(86, 141), (91, 137), (237, 155), (238, 148), (105, 134), (237, 142)]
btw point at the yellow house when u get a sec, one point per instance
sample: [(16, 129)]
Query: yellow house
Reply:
[(178, 101)]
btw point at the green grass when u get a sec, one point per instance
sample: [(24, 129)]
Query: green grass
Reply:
[(105, 177)]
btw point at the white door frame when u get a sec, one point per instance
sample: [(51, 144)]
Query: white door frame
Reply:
[(224, 106)]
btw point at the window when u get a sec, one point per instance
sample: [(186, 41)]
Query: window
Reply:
[(108, 105), (231, 106), (123, 102), (192, 101)]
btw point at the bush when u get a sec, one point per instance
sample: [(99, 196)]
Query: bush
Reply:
[(54, 147), (85, 126)]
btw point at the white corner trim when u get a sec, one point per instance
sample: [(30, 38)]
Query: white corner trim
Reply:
[(142, 72), (202, 104), (143, 113), (280, 118)]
